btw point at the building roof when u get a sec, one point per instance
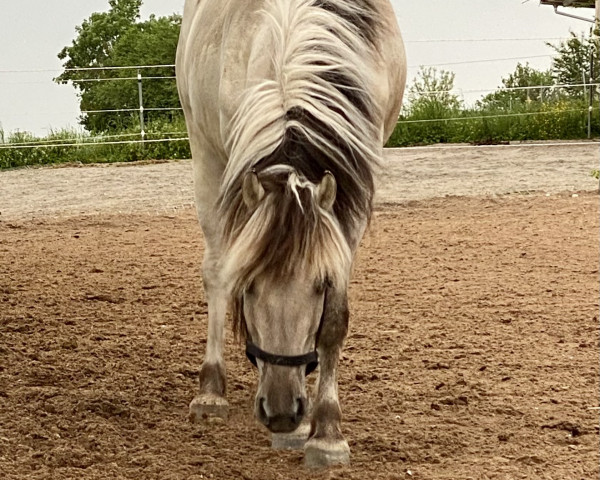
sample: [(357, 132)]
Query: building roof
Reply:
[(570, 3)]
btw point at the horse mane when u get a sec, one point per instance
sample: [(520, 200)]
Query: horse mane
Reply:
[(314, 114)]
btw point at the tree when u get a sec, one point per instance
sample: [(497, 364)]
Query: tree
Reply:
[(430, 102), (572, 65), (515, 91), (430, 95), (117, 39)]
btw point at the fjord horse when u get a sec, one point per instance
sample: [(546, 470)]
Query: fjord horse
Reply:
[(288, 104)]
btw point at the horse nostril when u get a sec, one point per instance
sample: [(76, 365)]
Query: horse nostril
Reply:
[(262, 412)]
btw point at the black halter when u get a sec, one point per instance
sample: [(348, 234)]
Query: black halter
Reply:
[(311, 360)]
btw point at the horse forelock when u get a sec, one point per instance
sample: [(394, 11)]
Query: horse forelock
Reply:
[(287, 231)]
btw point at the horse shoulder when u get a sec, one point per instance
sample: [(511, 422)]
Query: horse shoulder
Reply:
[(216, 47), (243, 61)]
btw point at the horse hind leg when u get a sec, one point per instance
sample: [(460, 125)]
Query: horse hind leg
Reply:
[(211, 403)]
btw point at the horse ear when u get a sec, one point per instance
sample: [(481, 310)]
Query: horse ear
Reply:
[(326, 191), (252, 191)]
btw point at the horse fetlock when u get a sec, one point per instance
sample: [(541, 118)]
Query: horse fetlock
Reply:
[(326, 420), (323, 452), (212, 379), (208, 408)]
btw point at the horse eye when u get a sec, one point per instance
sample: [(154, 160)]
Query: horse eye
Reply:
[(320, 287)]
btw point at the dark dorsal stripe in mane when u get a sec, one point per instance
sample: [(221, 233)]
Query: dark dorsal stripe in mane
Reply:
[(358, 13), (352, 171), (347, 87), (362, 17)]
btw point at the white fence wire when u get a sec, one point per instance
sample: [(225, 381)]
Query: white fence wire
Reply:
[(87, 144), (85, 140)]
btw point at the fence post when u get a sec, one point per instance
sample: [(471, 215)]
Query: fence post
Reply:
[(591, 95), (596, 54), (141, 98)]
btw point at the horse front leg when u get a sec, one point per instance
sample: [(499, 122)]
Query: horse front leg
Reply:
[(211, 401), (326, 444)]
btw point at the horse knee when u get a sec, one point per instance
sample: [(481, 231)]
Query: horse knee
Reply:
[(334, 326), (210, 276)]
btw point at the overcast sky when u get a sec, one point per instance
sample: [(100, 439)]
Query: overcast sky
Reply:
[(453, 35)]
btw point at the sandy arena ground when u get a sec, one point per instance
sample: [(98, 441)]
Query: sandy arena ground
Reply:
[(473, 345)]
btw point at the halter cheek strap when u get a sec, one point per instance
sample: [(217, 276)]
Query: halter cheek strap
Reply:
[(311, 359)]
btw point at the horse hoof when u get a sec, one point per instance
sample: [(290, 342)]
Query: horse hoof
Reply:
[(320, 453), (291, 441), (208, 408)]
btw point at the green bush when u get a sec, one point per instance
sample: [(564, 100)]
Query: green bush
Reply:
[(561, 119), (22, 149)]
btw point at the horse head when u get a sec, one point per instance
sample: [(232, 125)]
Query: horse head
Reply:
[(284, 257)]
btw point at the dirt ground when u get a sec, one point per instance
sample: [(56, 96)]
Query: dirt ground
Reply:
[(406, 174), (472, 352)]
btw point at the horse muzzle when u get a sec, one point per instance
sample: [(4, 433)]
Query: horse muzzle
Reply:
[(281, 420)]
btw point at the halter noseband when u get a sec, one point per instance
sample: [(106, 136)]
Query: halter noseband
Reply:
[(311, 360)]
